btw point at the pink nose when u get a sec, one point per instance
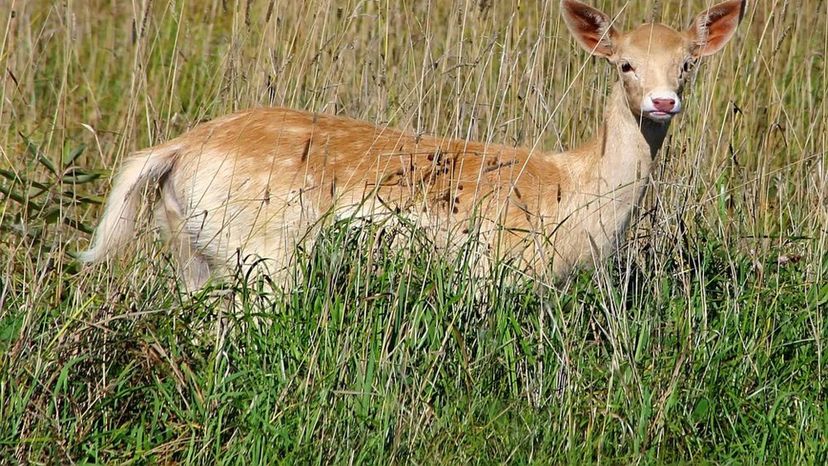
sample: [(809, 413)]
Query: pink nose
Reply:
[(664, 105)]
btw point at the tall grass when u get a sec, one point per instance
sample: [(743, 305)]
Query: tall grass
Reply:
[(702, 339)]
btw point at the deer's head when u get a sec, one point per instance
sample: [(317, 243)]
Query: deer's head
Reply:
[(654, 61)]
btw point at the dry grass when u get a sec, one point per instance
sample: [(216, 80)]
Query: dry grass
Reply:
[(703, 339)]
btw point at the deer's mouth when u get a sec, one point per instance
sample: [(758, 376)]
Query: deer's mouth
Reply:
[(660, 116)]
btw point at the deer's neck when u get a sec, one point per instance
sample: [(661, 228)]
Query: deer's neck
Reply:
[(609, 174), (626, 147)]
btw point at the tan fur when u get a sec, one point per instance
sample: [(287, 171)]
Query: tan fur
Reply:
[(258, 182)]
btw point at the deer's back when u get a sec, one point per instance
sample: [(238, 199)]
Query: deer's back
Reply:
[(257, 179)]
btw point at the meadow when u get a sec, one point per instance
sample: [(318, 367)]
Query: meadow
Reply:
[(702, 340)]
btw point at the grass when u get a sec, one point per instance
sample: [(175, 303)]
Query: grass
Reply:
[(703, 340)]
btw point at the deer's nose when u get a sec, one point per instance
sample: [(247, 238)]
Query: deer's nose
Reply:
[(664, 105)]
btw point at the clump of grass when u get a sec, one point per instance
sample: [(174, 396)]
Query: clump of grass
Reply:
[(702, 340)]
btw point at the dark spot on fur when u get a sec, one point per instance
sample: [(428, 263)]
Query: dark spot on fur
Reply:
[(267, 196), (459, 187), (517, 193), (465, 231), (559, 194), (436, 156), (307, 150), (455, 209), (494, 165), (604, 140)]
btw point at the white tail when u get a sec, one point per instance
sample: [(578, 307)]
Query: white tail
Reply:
[(258, 181), (117, 225)]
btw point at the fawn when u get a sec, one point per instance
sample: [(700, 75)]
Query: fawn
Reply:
[(260, 181)]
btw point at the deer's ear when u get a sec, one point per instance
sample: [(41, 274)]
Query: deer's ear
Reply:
[(591, 28), (712, 29)]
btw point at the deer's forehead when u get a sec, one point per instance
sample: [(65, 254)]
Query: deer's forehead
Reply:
[(654, 42)]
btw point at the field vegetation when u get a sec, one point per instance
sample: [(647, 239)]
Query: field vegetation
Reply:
[(703, 339)]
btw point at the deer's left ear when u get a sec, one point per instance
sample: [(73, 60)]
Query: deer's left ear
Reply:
[(712, 29)]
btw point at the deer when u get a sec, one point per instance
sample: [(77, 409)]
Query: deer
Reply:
[(260, 182)]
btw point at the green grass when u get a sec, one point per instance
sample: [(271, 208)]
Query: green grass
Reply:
[(703, 340)]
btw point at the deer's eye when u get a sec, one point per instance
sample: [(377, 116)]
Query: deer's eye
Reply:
[(688, 65), (626, 67)]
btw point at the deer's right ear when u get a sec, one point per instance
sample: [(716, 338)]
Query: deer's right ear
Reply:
[(590, 27)]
